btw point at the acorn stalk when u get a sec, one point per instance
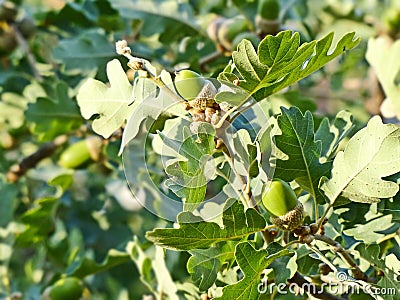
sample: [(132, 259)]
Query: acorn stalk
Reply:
[(286, 212)]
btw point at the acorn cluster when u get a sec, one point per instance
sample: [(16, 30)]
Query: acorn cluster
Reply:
[(11, 25), (227, 33), (199, 94)]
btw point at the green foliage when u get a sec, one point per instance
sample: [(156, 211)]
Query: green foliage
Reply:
[(360, 179), (281, 61), (174, 19), (50, 117), (203, 169), (189, 181), (237, 224), (298, 142), (110, 104), (204, 265), (84, 53), (252, 263), (381, 54)]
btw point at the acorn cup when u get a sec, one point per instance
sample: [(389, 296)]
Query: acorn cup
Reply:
[(286, 212)]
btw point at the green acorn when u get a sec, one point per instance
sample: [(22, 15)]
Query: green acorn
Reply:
[(268, 9), (69, 288), (286, 212), (81, 152), (229, 29), (188, 84), (267, 19)]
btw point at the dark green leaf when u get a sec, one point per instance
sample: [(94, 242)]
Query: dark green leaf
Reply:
[(252, 263), (298, 143), (204, 265), (84, 266), (331, 135), (169, 18), (281, 61), (84, 53), (49, 117), (8, 202), (199, 234)]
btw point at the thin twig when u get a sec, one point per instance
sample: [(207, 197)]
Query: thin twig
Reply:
[(312, 289), (209, 58), (357, 272), (25, 47), (29, 162), (136, 63), (321, 220)]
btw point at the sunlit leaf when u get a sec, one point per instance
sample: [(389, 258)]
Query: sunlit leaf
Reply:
[(109, 104), (381, 53), (371, 154), (152, 268)]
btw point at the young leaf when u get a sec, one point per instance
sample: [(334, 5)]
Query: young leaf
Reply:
[(252, 263), (330, 135), (298, 142), (371, 154), (281, 61), (204, 265), (153, 270), (384, 58), (38, 221), (238, 224), (149, 103), (110, 104), (189, 176)]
